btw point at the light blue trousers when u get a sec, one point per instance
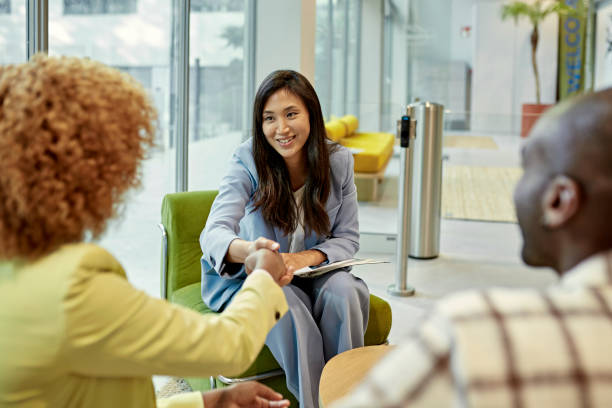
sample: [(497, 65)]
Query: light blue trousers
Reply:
[(327, 315)]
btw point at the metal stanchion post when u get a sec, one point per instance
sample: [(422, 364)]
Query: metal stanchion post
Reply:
[(406, 129)]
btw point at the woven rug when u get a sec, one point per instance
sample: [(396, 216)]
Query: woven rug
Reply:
[(469, 142), (175, 385), (479, 193), (468, 192)]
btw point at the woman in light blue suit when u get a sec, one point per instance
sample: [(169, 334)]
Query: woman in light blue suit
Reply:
[(291, 189)]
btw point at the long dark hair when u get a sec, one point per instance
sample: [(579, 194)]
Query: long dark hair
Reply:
[(274, 196)]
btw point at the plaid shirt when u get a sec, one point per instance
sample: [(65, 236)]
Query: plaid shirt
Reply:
[(506, 348)]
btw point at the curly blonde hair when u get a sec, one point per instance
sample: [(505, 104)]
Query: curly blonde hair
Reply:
[(72, 135)]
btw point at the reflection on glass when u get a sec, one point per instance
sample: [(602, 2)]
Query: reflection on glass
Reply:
[(207, 6), (353, 54), (99, 6), (431, 54), (133, 36), (12, 32), (336, 56), (5, 6), (216, 88)]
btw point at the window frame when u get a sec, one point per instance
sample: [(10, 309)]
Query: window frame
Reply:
[(37, 27)]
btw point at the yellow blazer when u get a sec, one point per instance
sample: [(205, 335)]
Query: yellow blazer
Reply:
[(75, 333)]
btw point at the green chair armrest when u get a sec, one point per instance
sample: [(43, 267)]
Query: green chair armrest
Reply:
[(379, 322)]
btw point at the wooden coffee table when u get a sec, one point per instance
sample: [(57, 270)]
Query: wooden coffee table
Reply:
[(346, 370)]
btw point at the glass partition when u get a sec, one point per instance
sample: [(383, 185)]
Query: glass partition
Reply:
[(337, 51), (459, 54), (216, 89), (135, 37)]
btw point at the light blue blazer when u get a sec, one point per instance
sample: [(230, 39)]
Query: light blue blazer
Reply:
[(232, 217)]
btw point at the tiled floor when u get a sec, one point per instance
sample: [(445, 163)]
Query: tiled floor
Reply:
[(473, 255)]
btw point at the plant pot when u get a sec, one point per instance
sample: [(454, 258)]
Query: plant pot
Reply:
[(530, 114)]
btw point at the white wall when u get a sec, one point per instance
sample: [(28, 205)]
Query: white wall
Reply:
[(462, 14), (308, 26), (285, 37), (462, 63), (502, 75), (603, 57)]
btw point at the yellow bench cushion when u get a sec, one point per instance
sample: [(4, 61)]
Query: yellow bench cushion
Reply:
[(336, 130), (371, 150), (350, 122)]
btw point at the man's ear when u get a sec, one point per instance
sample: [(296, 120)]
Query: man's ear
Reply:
[(560, 201)]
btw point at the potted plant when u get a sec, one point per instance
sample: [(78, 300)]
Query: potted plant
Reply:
[(536, 11)]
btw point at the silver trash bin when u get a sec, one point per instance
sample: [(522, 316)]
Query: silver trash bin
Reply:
[(426, 179)]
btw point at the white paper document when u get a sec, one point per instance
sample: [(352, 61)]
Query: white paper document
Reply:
[(312, 271)]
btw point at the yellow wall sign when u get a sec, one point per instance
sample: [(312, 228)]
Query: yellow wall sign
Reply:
[(572, 33)]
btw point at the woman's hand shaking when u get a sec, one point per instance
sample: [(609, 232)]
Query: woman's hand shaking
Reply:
[(269, 261)]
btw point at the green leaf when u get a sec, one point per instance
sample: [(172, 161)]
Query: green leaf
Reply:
[(535, 11)]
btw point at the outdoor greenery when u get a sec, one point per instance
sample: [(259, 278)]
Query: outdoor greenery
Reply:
[(536, 11)]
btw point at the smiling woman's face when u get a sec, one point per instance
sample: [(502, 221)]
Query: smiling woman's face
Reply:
[(286, 124)]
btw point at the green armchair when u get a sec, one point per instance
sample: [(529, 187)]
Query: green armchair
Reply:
[(183, 218)]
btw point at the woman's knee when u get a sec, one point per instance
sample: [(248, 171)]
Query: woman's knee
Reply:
[(345, 285), (341, 291), (299, 316)]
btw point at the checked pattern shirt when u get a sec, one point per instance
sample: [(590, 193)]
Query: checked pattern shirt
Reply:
[(518, 348)]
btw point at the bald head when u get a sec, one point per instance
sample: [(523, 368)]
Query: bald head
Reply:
[(576, 137), (565, 195)]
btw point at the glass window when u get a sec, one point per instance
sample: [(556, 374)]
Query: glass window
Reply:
[(141, 47), (12, 32), (216, 91), (460, 54), (99, 6), (323, 57)]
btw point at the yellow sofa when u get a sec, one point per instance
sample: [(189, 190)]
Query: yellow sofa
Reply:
[(371, 152)]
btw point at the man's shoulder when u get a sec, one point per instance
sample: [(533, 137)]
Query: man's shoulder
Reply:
[(482, 304), (525, 333)]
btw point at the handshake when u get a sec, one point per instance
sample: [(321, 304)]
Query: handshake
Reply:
[(264, 255)]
